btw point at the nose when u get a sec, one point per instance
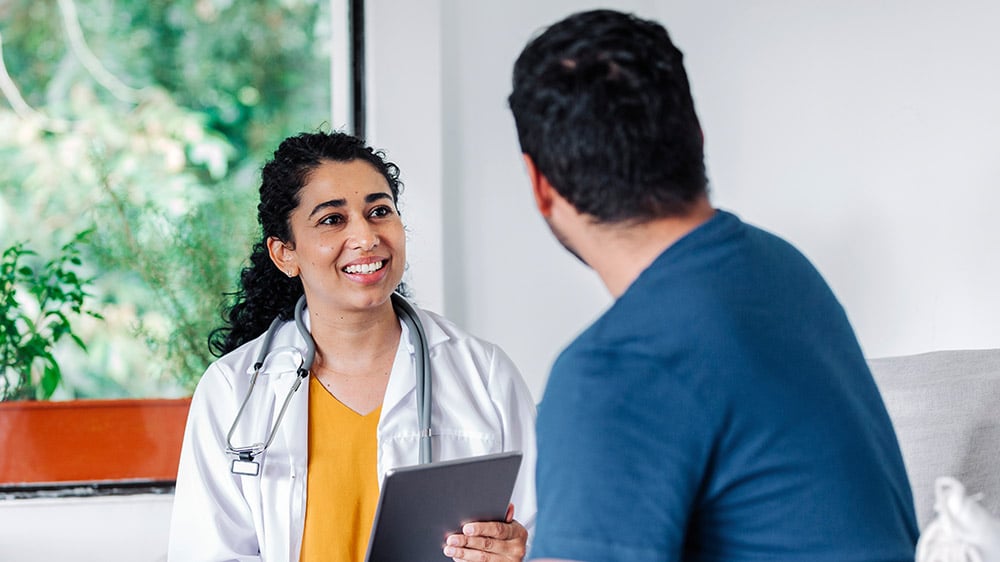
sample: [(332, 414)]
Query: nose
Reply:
[(363, 236)]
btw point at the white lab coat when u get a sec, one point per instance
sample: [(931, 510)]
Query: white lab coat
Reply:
[(480, 405)]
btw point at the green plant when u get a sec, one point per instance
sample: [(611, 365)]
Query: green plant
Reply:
[(36, 307)]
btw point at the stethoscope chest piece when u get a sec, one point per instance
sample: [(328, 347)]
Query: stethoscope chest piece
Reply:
[(244, 464)]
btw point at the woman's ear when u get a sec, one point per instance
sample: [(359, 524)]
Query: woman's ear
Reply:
[(283, 255), (540, 187)]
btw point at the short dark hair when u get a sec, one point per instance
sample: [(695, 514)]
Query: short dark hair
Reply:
[(603, 107), (265, 292)]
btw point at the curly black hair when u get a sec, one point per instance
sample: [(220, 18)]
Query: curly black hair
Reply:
[(264, 291), (602, 105)]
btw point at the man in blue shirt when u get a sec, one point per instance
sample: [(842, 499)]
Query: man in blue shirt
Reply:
[(721, 409)]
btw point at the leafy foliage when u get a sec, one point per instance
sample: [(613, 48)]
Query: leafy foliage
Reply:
[(36, 306), (148, 127)]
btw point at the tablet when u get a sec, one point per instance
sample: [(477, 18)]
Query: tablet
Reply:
[(419, 506)]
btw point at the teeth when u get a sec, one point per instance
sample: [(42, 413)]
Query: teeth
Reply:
[(365, 268)]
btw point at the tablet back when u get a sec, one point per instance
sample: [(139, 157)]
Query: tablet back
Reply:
[(421, 505)]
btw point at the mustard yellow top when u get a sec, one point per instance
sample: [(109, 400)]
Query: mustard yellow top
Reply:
[(342, 486)]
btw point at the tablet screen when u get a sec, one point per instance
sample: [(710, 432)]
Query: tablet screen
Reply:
[(419, 506)]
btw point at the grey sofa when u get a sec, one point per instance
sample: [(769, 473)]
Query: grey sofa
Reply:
[(945, 407)]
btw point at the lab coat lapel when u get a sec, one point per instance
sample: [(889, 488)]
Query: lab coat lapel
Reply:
[(292, 440), (403, 380), (295, 425)]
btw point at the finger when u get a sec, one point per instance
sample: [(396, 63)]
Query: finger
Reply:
[(514, 546), (494, 529), (500, 531), (481, 544), (511, 551), (469, 549), (510, 513), (465, 555)]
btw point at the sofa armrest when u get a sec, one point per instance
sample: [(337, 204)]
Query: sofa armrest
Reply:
[(945, 407)]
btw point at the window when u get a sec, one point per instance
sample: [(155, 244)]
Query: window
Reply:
[(138, 128)]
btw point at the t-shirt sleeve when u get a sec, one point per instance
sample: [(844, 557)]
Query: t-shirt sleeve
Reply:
[(623, 447)]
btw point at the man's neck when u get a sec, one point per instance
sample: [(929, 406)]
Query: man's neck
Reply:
[(620, 253)]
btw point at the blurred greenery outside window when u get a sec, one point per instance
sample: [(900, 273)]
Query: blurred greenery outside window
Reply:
[(146, 122)]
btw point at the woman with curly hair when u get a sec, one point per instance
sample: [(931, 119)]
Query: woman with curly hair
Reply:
[(331, 231)]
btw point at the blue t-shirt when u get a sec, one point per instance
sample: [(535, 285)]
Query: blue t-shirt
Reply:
[(720, 410)]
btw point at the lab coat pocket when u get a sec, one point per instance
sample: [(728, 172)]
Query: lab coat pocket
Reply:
[(446, 444), (454, 444)]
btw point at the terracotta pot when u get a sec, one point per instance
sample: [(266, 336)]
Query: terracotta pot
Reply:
[(91, 440)]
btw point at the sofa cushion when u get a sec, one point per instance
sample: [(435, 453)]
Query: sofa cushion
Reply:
[(945, 407)]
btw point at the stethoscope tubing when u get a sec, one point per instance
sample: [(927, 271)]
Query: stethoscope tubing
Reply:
[(422, 362), (418, 338)]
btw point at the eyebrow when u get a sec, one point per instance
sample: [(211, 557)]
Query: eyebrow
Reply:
[(337, 203)]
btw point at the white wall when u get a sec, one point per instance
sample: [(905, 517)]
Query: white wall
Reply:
[(97, 529), (864, 132), (403, 72)]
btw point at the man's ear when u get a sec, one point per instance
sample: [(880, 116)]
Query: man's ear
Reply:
[(283, 256), (540, 187)]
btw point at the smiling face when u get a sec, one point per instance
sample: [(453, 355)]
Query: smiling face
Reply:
[(348, 245)]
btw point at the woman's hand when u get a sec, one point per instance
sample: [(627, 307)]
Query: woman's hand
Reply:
[(491, 541)]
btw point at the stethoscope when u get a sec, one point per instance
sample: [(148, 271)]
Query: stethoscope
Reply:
[(244, 462)]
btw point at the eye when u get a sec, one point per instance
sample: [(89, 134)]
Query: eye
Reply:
[(332, 219), (381, 211)]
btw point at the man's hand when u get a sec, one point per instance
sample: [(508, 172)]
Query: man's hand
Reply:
[(491, 541)]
